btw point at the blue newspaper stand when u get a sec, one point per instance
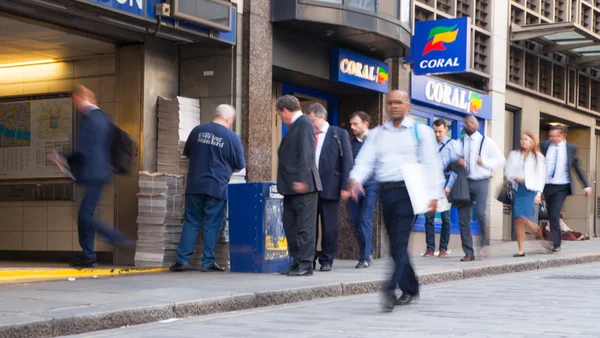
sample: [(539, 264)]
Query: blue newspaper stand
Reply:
[(257, 242)]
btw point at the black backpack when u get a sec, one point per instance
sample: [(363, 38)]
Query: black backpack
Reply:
[(122, 151)]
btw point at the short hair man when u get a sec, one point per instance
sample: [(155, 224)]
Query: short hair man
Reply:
[(448, 150), (299, 182), (363, 209), (561, 157), (215, 152), (333, 160)]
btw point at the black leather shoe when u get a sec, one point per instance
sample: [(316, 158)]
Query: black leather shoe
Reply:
[(406, 299), (363, 263), (81, 262), (325, 267), (289, 269), (556, 249), (301, 272), (178, 267), (214, 267), (389, 302)]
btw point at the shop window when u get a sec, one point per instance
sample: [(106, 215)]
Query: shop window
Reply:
[(365, 5), (339, 2)]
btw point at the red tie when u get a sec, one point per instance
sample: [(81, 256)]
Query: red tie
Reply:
[(317, 139)]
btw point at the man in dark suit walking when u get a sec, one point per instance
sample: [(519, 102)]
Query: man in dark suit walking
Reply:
[(334, 162), (299, 183), (560, 158), (90, 166)]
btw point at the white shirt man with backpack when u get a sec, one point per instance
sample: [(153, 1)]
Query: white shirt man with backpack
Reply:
[(400, 141), (480, 156)]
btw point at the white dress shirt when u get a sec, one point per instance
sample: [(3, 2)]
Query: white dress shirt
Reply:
[(320, 139), (556, 157), (296, 116), (490, 156), (388, 147), (362, 140)]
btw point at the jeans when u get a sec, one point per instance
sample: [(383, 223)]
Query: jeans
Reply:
[(430, 231), (87, 224), (199, 207), (362, 215), (398, 216)]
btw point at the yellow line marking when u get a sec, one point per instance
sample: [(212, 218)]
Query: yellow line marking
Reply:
[(9, 276)]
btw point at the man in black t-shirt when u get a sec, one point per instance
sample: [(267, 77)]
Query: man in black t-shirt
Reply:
[(215, 152)]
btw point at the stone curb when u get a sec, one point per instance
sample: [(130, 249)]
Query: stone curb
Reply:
[(148, 314)]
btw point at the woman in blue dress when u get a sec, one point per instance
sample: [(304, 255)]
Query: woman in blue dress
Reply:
[(526, 170)]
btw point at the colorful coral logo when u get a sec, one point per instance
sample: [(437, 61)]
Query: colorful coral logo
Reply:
[(382, 75), (474, 103), (438, 36)]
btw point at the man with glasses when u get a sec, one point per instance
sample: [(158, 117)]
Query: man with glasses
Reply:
[(401, 140)]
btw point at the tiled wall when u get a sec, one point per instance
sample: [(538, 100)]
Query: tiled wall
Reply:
[(52, 225)]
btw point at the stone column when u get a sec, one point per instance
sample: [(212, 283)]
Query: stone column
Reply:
[(257, 83)]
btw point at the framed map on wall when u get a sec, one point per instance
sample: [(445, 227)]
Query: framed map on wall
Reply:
[(30, 128)]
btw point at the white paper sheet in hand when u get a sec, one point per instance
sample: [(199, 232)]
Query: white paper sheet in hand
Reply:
[(415, 184), (443, 205)]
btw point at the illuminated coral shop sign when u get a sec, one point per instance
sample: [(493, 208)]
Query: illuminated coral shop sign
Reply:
[(359, 70), (441, 46), (434, 92)]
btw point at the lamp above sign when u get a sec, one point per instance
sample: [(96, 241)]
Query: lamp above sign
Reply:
[(359, 70), (441, 46), (434, 92)]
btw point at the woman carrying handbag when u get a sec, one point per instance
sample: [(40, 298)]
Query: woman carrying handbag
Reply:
[(526, 170)]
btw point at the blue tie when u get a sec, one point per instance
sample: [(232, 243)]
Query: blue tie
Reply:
[(555, 162)]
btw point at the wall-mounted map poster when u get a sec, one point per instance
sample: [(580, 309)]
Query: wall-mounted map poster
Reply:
[(30, 128)]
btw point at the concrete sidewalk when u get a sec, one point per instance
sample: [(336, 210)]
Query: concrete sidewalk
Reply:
[(62, 307)]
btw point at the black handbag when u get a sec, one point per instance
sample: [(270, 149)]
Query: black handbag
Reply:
[(460, 193), (543, 213), (507, 193)]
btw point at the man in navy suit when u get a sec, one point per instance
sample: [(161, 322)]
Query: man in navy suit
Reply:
[(561, 157), (333, 156), (90, 165)]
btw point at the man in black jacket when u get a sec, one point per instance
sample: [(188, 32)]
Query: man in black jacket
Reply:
[(334, 162), (299, 183), (560, 158)]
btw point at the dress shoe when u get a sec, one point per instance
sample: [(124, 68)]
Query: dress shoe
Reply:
[(178, 267), (389, 301), (406, 299), (301, 272), (214, 267), (81, 262), (519, 255), (443, 253), (363, 263), (468, 258), (289, 269), (556, 249), (325, 267), (429, 253)]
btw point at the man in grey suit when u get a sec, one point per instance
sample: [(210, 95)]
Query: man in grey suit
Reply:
[(561, 157), (299, 183)]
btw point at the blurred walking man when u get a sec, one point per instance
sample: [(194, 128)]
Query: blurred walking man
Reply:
[(215, 152), (363, 209), (299, 183), (401, 140)]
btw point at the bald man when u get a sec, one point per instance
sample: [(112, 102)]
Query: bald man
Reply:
[(479, 156), (401, 140)]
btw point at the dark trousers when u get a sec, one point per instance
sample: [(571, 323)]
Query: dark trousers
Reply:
[(479, 195), (362, 215), (430, 231), (87, 224), (201, 210), (398, 216), (299, 218), (555, 196), (328, 211)]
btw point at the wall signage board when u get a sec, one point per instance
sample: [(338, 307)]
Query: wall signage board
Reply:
[(133, 7), (30, 128), (441, 46), (438, 93), (359, 70)]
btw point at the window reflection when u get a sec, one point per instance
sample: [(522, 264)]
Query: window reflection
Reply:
[(368, 5), (332, 1)]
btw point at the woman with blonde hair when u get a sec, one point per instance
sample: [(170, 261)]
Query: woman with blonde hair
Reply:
[(526, 170)]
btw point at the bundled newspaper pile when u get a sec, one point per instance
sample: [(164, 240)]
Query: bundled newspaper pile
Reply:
[(176, 119), (160, 218)]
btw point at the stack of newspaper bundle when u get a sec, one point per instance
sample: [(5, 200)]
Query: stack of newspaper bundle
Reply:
[(160, 218), (176, 119)]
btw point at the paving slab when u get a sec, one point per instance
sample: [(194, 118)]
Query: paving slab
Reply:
[(69, 307)]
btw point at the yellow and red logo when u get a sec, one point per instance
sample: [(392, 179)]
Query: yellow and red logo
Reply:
[(438, 36), (475, 103)]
